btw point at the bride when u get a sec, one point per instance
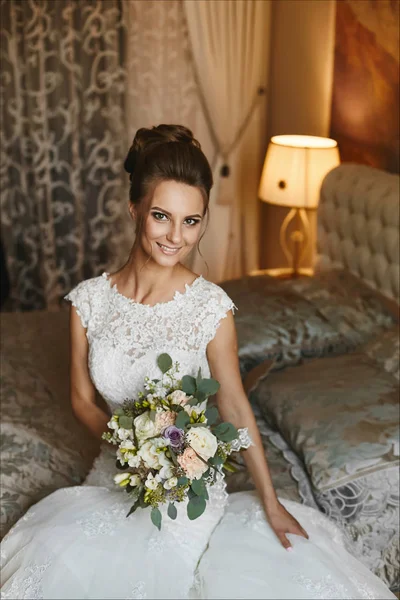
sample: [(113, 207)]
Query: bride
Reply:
[(78, 542)]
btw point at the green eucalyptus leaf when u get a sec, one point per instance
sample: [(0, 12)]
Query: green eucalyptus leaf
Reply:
[(119, 412), (133, 508), (200, 396), (182, 480), (164, 362), (198, 378), (191, 494), (156, 517), (215, 461), (182, 420), (172, 512), (195, 508), (126, 422), (226, 432), (189, 385), (212, 415), (208, 387), (193, 401), (199, 487), (142, 502)]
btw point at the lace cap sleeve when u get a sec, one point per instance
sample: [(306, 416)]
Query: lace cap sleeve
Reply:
[(80, 298), (217, 306)]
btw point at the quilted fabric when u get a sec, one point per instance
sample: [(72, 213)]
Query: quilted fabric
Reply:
[(358, 225), (339, 415)]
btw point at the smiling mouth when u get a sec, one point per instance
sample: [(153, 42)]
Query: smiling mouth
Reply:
[(167, 249)]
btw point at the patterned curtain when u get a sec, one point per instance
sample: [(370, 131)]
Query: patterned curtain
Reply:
[(63, 143), (79, 77)]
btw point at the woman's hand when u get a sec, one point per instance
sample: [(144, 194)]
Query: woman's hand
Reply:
[(282, 522)]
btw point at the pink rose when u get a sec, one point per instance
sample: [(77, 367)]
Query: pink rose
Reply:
[(193, 466), (164, 420)]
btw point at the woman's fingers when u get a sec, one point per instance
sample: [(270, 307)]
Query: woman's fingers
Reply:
[(304, 533), (284, 540), (298, 530)]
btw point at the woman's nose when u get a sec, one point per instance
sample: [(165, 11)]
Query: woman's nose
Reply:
[(175, 234)]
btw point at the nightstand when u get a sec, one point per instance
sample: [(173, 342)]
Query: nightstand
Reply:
[(283, 272)]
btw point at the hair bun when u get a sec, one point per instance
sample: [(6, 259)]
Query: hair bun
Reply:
[(145, 139)]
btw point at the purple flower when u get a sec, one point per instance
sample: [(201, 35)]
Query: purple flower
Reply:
[(175, 437)]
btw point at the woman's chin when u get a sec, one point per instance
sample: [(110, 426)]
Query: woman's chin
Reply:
[(166, 261)]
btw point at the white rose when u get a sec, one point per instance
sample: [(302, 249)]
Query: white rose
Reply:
[(150, 456), (203, 442), (170, 483), (122, 479), (134, 480), (151, 483), (178, 397), (144, 426)]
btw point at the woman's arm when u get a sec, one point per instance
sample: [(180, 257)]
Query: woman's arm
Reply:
[(235, 408), (83, 392)]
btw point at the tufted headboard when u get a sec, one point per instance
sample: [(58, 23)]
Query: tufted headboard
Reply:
[(358, 225)]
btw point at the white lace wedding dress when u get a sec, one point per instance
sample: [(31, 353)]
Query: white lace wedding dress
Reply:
[(78, 543)]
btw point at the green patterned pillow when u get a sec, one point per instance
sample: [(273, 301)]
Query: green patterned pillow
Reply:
[(289, 321)]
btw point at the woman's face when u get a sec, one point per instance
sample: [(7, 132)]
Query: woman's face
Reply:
[(173, 224)]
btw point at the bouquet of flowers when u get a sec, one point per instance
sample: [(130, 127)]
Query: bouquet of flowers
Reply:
[(170, 445)]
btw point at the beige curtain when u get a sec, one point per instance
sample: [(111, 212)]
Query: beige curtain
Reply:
[(230, 42), (160, 82)]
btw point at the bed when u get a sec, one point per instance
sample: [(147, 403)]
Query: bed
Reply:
[(329, 335), (320, 358)]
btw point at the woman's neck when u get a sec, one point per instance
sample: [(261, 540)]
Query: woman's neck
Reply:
[(145, 280)]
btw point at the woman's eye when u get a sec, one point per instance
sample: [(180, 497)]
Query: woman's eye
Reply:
[(159, 216), (192, 221)]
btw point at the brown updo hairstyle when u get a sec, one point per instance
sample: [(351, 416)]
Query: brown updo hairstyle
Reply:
[(165, 153)]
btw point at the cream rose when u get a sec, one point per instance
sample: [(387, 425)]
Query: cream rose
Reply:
[(178, 397), (152, 456), (144, 426), (202, 441), (148, 453), (193, 466)]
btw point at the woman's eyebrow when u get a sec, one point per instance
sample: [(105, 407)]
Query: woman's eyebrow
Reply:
[(169, 214)]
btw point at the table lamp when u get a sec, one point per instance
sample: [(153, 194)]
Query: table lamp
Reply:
[(294, 168)]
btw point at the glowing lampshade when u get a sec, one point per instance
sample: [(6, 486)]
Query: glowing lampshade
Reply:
[(294, 168)]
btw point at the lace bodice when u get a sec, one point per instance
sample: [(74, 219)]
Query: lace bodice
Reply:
[(125, 337)]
